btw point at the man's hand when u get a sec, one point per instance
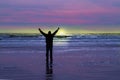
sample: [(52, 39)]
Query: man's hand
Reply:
[(39, 29), (58, 28)]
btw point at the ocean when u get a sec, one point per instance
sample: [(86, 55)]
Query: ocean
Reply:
[(75, 57)]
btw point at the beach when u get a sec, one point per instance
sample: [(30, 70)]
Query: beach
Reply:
[(76, 57)]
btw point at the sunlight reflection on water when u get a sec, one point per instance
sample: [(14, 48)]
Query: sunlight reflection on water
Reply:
[(61, 42)]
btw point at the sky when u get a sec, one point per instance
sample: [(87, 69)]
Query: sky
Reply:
[(72, 16)]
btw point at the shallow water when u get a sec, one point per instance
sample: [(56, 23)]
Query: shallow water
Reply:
[(83, 57)]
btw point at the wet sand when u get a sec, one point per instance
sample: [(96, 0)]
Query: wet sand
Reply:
[(99, 64), (82, 57)]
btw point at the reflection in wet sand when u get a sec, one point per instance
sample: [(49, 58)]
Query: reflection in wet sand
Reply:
[(49, 70)]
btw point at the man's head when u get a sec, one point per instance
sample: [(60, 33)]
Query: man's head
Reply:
[(49, 32)]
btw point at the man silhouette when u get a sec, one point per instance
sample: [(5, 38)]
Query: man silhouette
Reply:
[(49, 43)]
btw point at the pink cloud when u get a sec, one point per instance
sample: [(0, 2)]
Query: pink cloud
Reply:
[(69, 12)]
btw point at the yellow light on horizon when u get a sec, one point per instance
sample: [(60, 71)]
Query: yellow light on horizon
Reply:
[(61, 32)]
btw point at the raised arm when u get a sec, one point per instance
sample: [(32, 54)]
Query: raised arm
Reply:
[(56, 31), (42, 32)]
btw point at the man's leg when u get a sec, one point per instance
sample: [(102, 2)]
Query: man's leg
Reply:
[(47, 53), (51, 55)]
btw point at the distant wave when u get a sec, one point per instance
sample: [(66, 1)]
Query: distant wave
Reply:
[(82, 40), (82, 36)]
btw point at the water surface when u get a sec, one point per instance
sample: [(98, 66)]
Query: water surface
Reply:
[(77, 57)]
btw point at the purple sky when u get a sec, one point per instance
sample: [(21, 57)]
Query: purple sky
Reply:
[(91, 15)]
